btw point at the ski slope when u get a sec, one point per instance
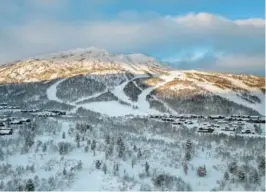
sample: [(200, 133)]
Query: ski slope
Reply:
[(52, 90), (142, 106), (232, 95), (119, 90)]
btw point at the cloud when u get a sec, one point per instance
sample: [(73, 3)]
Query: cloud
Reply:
[(239, 43)]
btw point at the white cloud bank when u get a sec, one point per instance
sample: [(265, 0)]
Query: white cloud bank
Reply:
[(240, 42)]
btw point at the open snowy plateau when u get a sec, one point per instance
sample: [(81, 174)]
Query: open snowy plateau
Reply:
[(107, 140)]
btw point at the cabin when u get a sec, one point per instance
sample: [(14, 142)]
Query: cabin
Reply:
[(189, 122), (172, 116), (247, 132), (6, 132), (200, 117), (2, 124), (177, 123), (235, 116), (168, 119), (15, 122), (204, 130), (216, 117), (228, 129), (30, 110), (221, 122), (155, 116), (12, 107), (245, 116), (254, 117), (25, 120), (255, 121), (58, 112)]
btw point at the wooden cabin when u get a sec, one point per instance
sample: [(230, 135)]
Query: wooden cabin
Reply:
[(6, 132), (204, 130)]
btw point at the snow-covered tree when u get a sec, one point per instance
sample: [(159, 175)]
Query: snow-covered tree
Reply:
[(121, 149), (232, 167), (116, 169), (98, 164), (188, 145), (226, 176), (64, 171), (254, 177), (107, 139), (139, 153), (44, 147), (86, 148), (201, 171), (77, 137), (93, 145), (80, 164), (241, 175), (30, 185), (135, 148), (147, 168), (185, 168), (262, 165), (63, 135), (187, 156), (104, 168)]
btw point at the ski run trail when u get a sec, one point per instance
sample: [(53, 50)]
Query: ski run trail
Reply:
[(114, 108)]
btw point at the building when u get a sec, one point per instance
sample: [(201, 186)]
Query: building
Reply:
[(6, 132)]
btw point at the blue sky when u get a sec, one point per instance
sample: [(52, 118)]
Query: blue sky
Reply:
[(217, 35), (234, 9)]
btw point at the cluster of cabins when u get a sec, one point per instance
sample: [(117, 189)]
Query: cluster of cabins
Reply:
[(223, 123), (4, 130), (239, 118), (36, 112), (48, 113), (6, 122), (5, 106)]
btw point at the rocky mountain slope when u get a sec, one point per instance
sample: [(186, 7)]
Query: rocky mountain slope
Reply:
[(133, 84)]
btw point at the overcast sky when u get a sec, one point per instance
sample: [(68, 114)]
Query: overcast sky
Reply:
[(216, 35)]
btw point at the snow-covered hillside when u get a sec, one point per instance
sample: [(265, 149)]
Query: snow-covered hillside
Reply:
[(127, 153)]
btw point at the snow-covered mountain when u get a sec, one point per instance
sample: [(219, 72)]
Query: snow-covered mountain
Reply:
[(122, 126), (137, 84)]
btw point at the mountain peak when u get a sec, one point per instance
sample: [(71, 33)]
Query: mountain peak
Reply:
[(79, 61)]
